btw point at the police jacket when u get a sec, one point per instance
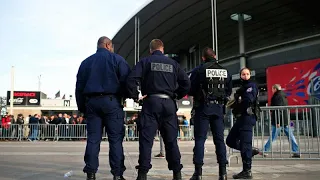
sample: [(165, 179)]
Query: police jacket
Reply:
[(103, 72), (281, 117), (249, 94), (200, 74), (158, 74)]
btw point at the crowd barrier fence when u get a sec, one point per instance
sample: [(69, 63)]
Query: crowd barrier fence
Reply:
[(296, 131)]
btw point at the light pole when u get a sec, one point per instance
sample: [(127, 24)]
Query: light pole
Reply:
[(39, 82), (12, 90)]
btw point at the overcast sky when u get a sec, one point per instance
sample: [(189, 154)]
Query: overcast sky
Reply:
[(50, 38)]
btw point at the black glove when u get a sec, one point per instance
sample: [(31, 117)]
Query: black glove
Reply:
[(236, 97), (240, 91), (140, 102)]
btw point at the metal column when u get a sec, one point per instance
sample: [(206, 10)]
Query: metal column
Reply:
[(200, 55), (213, 17), (135, 39), (241, 41), (138, 39), (136, 42), (215, 27)]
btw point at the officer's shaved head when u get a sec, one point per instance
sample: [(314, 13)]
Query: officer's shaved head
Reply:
[(208, 53), (105, 42), (156, 44)]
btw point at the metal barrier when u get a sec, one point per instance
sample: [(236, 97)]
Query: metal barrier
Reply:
[(71, 132), (10, 131), (131, 132), (299, 124)]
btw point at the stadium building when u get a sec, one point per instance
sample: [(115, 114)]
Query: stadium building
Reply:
[(255, 34)]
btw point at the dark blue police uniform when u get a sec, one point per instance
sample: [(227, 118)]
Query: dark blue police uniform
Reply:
[(162, 80), (99, 89), (209, 109), (240, 136)]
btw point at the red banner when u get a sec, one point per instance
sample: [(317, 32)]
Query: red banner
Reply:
[(298, 80)]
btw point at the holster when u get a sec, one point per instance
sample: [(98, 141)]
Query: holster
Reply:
[(256, 110)]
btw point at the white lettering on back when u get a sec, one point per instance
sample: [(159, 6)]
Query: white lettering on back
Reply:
[(162, 67), (216, 73)]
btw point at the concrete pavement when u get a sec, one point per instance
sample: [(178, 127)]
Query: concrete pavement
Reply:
[(51, 160)]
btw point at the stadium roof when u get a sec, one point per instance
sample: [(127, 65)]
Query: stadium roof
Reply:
[(181, 24)]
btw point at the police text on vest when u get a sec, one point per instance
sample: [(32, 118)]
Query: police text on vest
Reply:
[(216, 73), (161, 67)]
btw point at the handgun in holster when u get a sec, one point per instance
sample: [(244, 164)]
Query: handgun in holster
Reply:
[(256, 109), (236, 106)]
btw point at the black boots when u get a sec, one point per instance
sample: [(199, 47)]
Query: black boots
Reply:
[(177, 176), (91, 176), (223, 172), (142, 175), (245, 174), (118, 178), (197, 175), (255, 151), (223, 177)]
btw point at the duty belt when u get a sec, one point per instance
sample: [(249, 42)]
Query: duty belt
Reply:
[(90, 95), (163, 96), (213, 102)]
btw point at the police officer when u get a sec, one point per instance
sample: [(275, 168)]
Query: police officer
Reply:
[(210, 86), (99, 89), (240, 135), (162, 81)]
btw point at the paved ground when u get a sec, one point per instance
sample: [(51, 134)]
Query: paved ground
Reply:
[(50, 160)]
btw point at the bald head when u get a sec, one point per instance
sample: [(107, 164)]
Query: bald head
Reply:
[(105, 42)]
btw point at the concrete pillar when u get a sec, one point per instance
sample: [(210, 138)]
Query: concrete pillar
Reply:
[(241, 18)]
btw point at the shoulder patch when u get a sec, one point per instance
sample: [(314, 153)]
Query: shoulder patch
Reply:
[(249, 89)]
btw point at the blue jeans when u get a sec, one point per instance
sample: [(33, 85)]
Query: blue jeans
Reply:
[(34, 132), (289, 132), (131, 132)]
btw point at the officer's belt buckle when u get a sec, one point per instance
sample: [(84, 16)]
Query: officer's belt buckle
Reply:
[(163, 96), (213, 102), (139, 108)]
